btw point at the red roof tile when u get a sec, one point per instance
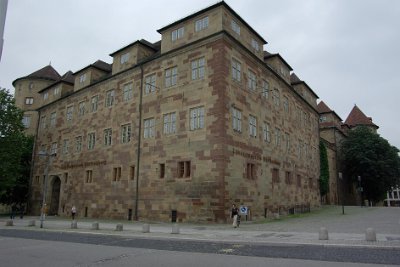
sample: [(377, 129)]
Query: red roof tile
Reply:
[(358, 118)]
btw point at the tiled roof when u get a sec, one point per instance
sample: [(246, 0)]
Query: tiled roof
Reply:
[(99, 64), (68, 77), (323, 108), (46, 73), (358, 118), (294, 79)]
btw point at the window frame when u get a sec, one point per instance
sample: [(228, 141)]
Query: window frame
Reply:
[(197, 115)]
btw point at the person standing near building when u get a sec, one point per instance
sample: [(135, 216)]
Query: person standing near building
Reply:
[(73, 212), (234, 215)]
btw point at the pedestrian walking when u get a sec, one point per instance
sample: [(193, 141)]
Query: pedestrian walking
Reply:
[(73, 212), (234, 215)]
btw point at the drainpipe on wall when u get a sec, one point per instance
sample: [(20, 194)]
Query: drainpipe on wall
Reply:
[(138, 145)]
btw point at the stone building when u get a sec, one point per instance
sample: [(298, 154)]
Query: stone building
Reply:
[(176, 129)]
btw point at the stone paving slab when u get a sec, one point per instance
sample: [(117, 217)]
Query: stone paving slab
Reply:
[(302, 230)]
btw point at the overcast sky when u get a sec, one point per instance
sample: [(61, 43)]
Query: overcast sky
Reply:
[(346, 50)]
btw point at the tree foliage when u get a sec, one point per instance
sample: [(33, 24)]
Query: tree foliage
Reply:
[(371, 157), (15, 152), (324, 170)]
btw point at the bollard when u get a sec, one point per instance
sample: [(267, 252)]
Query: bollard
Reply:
[(175, 229), (370, 234), (74, 224), (9, 223), (32, 223), (119, 227), (323, 234), (146, 228), (95, 226)]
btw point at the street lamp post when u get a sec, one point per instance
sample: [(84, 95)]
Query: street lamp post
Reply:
[(46, 174)]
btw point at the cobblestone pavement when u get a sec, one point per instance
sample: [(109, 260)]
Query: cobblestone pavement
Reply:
[(344, 230)]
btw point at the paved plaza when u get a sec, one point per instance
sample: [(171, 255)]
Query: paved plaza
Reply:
[(344, 230)]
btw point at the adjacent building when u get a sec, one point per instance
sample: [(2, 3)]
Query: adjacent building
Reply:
[(176, 129)]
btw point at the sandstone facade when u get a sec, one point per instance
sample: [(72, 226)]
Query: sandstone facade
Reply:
[(183, 127)]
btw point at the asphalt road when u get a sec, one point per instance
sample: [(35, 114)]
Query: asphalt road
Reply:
[(272, 252)]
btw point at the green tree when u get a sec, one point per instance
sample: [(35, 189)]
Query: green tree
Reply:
[(15, 152), (324, 169), (371, 157)]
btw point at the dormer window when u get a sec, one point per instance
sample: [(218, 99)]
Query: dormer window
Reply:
[(235, 27), (201, 24), (56, 90), (177, 34), (45, 95), (255, 45), (124, 58), (322, 119), (82, 78)]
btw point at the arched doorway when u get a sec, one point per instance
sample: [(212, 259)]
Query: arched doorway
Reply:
[(55, 195)]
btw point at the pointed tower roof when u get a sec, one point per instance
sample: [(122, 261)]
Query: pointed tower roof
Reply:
[(358, 118), (45, 73)]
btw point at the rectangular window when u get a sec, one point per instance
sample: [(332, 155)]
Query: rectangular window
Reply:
[(149, 125), (65, 146), (275, 175), (162, 170), (177, 34), (288, 178), (266, 132), (252, 126), (82, 78), (82, 109), (110, 94), (89, 176), (53, 117), (286, 104), (170, 123), (184, 169), (65, 177), (265, 88), (235, 27), (37, 179), (91, 141), (53, 150), (287, 139), (252, 81), (255, 45), (108, 137), (126, 131), (132, 173), (201, 24), (300, 149), (45, 95), (117, 174), (78, 144), (93, 103), (236, 70), (236, 120), (29, 100), (124, 58), (150, 86), (56, 91), (171, 76), (251, 171), (43, 122), (128, 92), (198, 69), (196, 118), (276, 97), (277, 137), (70, 111), (26, 121)]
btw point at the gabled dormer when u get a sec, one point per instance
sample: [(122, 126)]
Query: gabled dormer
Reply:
[(278, 64), (302, 88), (327, 117), (90, 74), (217, 18), (60, 88), (131, 54)]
